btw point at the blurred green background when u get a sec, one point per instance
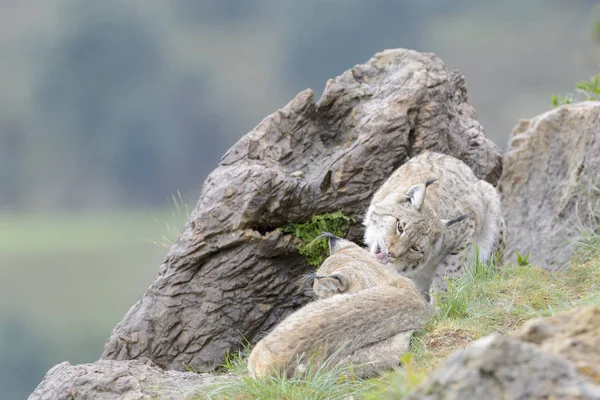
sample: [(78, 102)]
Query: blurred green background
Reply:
[(109, 109)]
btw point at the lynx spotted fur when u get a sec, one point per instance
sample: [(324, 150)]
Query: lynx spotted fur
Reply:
[(364, 316), (427, 217)]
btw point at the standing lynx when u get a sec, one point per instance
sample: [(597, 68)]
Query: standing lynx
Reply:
[(427, 216), (364, 316)]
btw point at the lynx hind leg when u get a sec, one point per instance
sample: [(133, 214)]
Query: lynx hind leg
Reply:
[(262, 362), (379, 357), (259, 360)]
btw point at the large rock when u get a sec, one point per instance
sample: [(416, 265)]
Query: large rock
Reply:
[(555, 358), (574, 335), (550, 170), (126, 380), (232, 274)]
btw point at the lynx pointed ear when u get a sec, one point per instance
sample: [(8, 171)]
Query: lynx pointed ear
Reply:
[(332, 240), (416, 195), (450, 222), (336, 243), (336, 282)]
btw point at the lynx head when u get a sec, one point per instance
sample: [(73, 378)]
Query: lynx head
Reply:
[(405, 231), (348, 269)]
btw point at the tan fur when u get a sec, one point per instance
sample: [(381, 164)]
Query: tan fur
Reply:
[(365, 317), (428, 247), (351, 269)]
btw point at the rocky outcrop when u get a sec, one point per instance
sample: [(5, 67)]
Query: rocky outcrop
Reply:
[(232, 274), (126, 380), (551, 170), (553, 358), (573, 335)]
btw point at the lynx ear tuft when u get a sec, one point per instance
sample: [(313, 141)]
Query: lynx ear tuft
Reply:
[(336, 243), (430, 181), (450, 222), (333, 241)]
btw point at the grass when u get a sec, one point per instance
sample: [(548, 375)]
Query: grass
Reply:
[(486, 299), (174, 224), (68, 279), (313, 383)]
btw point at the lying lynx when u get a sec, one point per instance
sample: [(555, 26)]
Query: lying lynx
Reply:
[(427, 216), (365, 316), (349, 269)]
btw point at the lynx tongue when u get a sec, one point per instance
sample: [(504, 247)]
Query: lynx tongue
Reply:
[(380, 255)]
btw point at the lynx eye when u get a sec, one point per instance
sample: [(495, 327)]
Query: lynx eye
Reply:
[(415, 248), (399, 228)]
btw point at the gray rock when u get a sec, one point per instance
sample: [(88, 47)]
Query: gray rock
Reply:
[(231, 274), (548, 358), (550, 170), (126, 380), (501, 367), (574, 335)]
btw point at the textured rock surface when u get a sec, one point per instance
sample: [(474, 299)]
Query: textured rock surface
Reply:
[(554, 358), (574, 335), (127, 380), (230, 272), (550, 168)]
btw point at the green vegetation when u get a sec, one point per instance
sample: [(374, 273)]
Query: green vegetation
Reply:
[(55, 273), (584, 91), (323, 382), (486, 299), (315, 249), (523, 260)]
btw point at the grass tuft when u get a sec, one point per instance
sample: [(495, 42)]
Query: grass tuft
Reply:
[(180, 213), (313, 382), (235, 363), (523, 260)]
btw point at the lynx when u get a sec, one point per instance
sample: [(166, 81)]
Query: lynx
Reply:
[(364, 316), (427, 217)]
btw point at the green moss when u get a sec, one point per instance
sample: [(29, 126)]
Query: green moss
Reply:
[(337, 223)]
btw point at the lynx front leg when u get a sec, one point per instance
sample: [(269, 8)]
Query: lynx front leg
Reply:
[(500, 245), (452, 266)]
